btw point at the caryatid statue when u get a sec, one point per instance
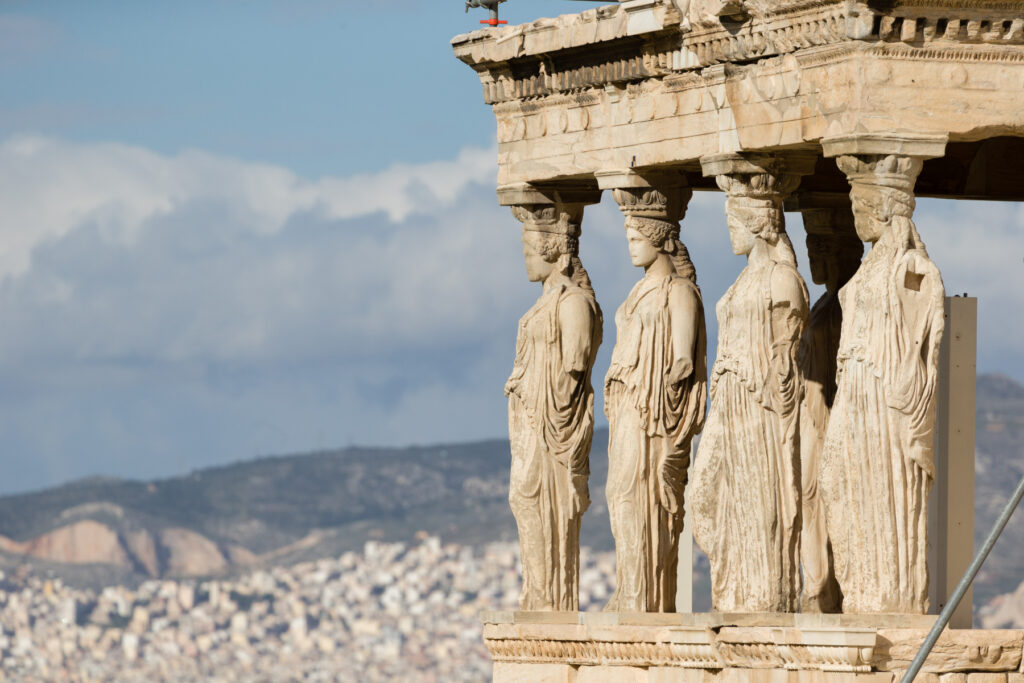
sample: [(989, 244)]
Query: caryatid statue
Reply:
[(834, 252), (655, 399), (551, 407), (877, 467), (746, 490)]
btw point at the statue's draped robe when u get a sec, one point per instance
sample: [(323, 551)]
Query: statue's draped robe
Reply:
[(746, 490), (651, 425), (819, 349), (551, 425), (877, 467)]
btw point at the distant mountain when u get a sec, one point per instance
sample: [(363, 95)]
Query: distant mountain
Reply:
[(999, 466), (290, 508), (269, 510)]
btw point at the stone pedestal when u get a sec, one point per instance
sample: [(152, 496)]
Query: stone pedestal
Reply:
[(768, 648)]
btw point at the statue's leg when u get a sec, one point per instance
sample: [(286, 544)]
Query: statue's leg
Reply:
[(627, 514), (525, 499), (820, 590), (667, 520)]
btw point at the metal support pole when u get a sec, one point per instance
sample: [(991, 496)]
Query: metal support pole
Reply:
[(965, 583)]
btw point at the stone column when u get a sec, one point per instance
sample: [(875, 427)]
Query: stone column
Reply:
[(878, 463), (834, 252), (746, 487), (551, 399), (655, 392)]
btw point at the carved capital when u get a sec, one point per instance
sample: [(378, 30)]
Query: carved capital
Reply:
[(657, 196), (882, 172), (758, 176), (900, 144), (555, 210)]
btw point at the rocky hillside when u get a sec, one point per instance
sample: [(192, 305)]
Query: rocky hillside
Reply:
[(270, 510), (281, 510), (998, 469)]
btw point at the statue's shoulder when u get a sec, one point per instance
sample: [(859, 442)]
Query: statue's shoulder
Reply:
[(575, 298), (786, 284), (680, 286)]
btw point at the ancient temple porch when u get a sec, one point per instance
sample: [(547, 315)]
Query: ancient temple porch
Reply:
[(667, 96)]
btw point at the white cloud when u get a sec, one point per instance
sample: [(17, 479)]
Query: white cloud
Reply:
[(160, 305), (197, 261), (165, 312), (49, 187)]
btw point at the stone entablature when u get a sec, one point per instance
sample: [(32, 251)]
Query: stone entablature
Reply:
[(781, 646), (626, 86), (652, 38)]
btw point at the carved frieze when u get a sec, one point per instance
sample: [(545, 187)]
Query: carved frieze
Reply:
[(841, 649), (956, 650), (768, 30), (683, 648)]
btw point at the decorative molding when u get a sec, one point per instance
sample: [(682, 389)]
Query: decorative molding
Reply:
[(691, 655), (905, 144), (779, 32), (814, 649), (956, 650), (924, 29)]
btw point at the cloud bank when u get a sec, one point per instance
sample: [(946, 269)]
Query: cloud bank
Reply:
[(161, 313)]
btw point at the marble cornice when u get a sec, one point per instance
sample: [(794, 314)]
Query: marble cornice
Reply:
[(577, 53)]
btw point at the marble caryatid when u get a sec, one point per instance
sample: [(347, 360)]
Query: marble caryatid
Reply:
[(551, 408), (746, 491), (655, 400), (834, 252), (877, 467)]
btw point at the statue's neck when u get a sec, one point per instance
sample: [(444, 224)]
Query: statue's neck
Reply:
[(554, 281), (662, 267), (759, 255)]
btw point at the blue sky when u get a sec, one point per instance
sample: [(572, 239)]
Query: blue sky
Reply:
[(318, 86), (232, 229)]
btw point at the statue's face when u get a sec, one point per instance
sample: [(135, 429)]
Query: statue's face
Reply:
[(740, 236), (820, 257), (867, 212), (537, 269), (641, 251)]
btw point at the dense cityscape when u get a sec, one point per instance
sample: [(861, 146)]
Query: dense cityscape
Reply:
[(392, 612)]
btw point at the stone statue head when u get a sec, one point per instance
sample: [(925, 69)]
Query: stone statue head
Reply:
[(551, 242), (751, 219), (652, 225), (881, 188), (834, 258), (650, 237), (546, 252), (834, 251)]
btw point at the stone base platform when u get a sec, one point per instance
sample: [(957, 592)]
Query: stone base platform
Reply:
[(581, 647)]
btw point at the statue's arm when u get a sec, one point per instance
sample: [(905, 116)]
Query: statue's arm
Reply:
[(920, 290), (789, 313), (683, 308), (576, 326)]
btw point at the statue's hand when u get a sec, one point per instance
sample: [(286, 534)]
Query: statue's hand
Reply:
[(681, 369)]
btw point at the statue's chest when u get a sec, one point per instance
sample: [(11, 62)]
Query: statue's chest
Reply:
[(742, 309), (866, 303)]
